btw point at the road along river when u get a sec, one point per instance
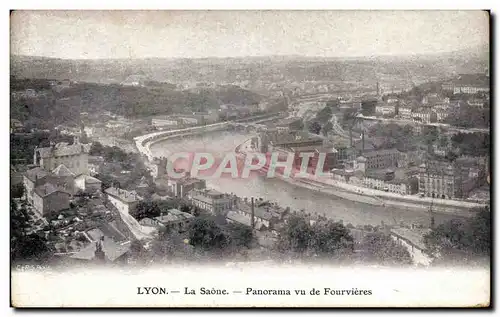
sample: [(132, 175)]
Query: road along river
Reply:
[(287, 194)]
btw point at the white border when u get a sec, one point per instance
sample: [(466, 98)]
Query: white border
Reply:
[(200, 4)]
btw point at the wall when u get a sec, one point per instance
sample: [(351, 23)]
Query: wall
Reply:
[(119, 204), (56, 202)]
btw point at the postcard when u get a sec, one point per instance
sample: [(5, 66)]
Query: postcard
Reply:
[(250, 158)]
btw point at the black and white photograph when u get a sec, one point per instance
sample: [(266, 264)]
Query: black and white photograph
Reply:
[(258, 158)]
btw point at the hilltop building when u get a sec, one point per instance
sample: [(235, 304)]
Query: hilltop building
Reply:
[(74, 156)]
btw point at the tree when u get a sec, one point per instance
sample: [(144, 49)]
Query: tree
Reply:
[(461, 241), (138, 253), (315, 127), (295, 236), (147, 209), (297, 125), (96, 149), (18, 220), (327, 128), (331, 239), (17, 190), (205, 234), (380, 248), (239, 235), (30, 248), (324, 239), (324, 115), (350, 119)]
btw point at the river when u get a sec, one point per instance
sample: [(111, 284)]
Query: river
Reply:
[(288, 195)]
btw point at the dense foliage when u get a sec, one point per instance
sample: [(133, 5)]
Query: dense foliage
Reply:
[(461, 241), (322, 239)]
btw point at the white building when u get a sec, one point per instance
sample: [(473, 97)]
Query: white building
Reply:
[(123, 200), (173, 219), (385, 109), (164, 123), (211, 200), (424, 116), (405, 113), (74, 157), (88, 184)]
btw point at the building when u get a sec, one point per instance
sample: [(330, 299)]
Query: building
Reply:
[(412, 240), (211, 200), (329, 151), (105, 250), (405, 113), (264, 215), (381, 158), (74, 157), (477, 103), (181, 187), (49, 199), (164, 123), (123, 200), (385, 109), (424, 116), (468, 84), (62, 179), (441, 115), (88, 184), (293, 139), (445, 180), (174, 219)]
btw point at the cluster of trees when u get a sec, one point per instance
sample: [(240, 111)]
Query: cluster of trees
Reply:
[(469, 117), (301, 239), (109, 153), (393, 135), (124, 161), (321, 122), (66, 105), (461, 242), (474, 144), (25, 247), (22, 146), (155, 208), (206, 238), (378, 247)]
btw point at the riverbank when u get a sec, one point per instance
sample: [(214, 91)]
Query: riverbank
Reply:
[(375, 197)]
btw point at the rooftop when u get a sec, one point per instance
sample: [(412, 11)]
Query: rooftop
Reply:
[(174, 215), (62, 170), (380, 152), (472, 80), (112, 250), (47, 189), (63, 149), (123, 195), (36, 173), (89, 179), (314, 148), (378, 173)]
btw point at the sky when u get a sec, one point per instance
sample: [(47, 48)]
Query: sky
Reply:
[(194, 34)]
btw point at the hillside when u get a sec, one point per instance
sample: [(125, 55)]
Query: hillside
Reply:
[(270, 68), (51, 107)]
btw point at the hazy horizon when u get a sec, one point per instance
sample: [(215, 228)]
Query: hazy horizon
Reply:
[(119, 35)]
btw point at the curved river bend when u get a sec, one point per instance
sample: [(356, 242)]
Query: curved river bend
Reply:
[(288, 195)]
